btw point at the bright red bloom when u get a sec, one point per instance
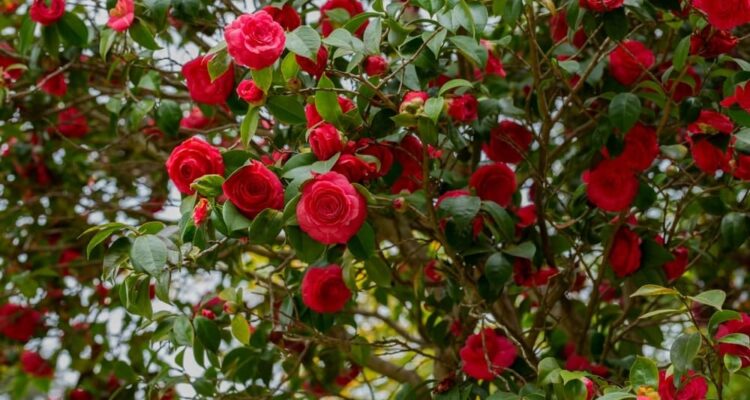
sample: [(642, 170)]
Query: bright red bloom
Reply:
[(577, 362), (711, 43), (313, 118), (711, 122), (675, 268), (53, 84), (508, 143), (33, 364), (625, 255), (494, 65), (286, 16), (122, 16), (375, 65), (353, 7), (431, 273), (255, 40), (526, 216), (725, 14), (47, 14), (641, 148), (331, 210), (199, 83), (353, 168), (325, 141), (19, 322), (611, 185), (72, 123), (740, 97), (559, 30), (195, 120), (314, 68), (629, 61), (708, 157), (201, 212), (379, 151), (526, 275), (487, 346), (741, 168), (741, 325), (80, 394), (191, 160), (495, 182), (692, 387), (601, 5), (250, 92), (323, 289), (463, 108), (254, 188)]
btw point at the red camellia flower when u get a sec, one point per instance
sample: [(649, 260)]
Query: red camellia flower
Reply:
[(629, 61), (494, 63), (463, 108), (711, 43), (508, 142), (72, 123), (19, 322), (559, 30), (313, 118), (379, 151), (375, 65), (577, 362), (353, 168), (740, 97), (711, 122), (611, 185), (199, 83), (253, 188), (692, 387), (325, 141), (47, 14), (526, 216), (526, 275), (323, 289), (201, 212), (685, 87), (413, 102), (725, 14), (314, 68), (195, 120), (286, 16), (33, 364), (487, 354), (641, 148), (741, 168), (590, 388), (675, 268), (53, 84), (250, 92), (408, 155), (80, 394), (708, 157), (494, 182), (191, 160), (255, 40), (121, 17), (741, 325), (601, 5), (331, 210), (625, 255), (431, 273), (353, 7)]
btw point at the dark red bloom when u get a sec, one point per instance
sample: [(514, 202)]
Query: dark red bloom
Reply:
[(46, 14), (601, 5), (33, 364), (72, 123), (254, 188), (692, 387), (323, 289), (625, 255), (19, 322), (508, 143), (629, 61), (353, 7), (641, 148), (711, 43), (486, 354), (286, 16), (314, 68), (375, 65), (725, 14), (675, 268), (463, 108), (740, 97), (741, 325), (53, 85), (611, 185)]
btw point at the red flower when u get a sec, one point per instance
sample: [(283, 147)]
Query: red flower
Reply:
[(201, 212), (53, 84), (611, 185), (431, 273), (708, 157), (711, 122), (331, 210), (675, 268), (375, 65), (741, 325), (250, 92), (8, 73), (685, 88), (314, 68), (255, 40), (353, 7), (486, 354), (195, 120), (46, 15), (508, 142), (577, 362), (601, 5), (692, 387), (80, 394), (323, 289), (191, 160), (495, 182), (524, 274), (641, 148), (711, 43), (19, 322), (380, 152), (72, 123), (590, 388), (725, 14), (741, 169), (408, 155), (254, 188), (625, 254), (325, 141), (740, 97), (629, 61), (286, 16), (353, 168), (313, 118), (121, 17), (33, 364), (199, 83), (413, 102), (526, 216), (463, 108), (559, 30), (494, 63)]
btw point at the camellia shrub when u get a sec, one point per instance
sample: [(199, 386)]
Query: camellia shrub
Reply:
[(448, 199)]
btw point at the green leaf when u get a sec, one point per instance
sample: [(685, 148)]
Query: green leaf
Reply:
[(363, 245), (616, 24), (433, 108), (734, 230), (461, 209), (720, 317), (326, 101), (182, 331), (684, 349), (378, 271), (624, 111), (549, 371), (304, 41), (616, 396), (644, 372), (26, 35), (143, 35), (307, 249), (208, 333), (523, 250), (234, 220), (742, 143), (654, 255), (732, 362), (219, 64), (471, 49), (249, 125), (739, 339), (266, 226), (241, 329), (453, 84), (72, 30), (498, 270), (286, 109), (372, 35), (713, 298), (263, 78), (654, 290), (681, 53), (168, 116), (503, 220), (149, 254), (208, 185)]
